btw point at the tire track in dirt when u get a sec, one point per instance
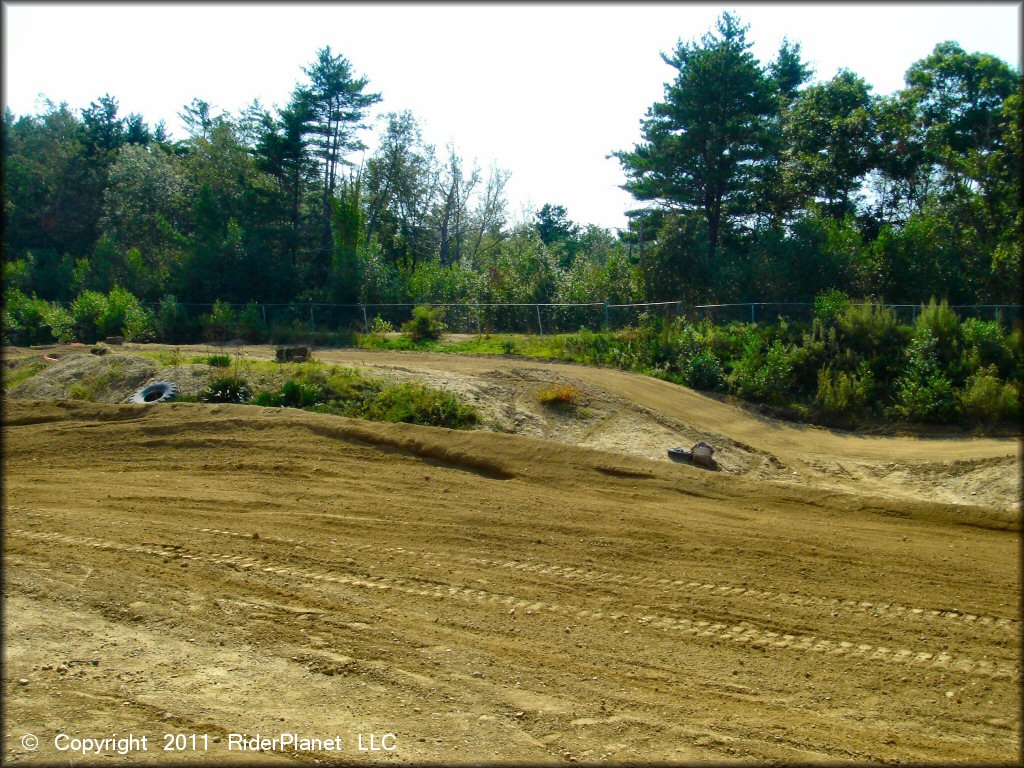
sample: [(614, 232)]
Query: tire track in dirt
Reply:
[(743, 632), (680, 586)]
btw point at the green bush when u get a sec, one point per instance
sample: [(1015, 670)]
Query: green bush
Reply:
[(508, 346), (60, 323), (425, 325), (219, 323), (123, 315), (985, 343), (87, 313), (29, 320), (295, 393), (703, 370), (986, 398), (414, 403), (924, 392), (868, 326), (218, 361), (172, 324), (762, 376), (250, 324), (380, 326), (941, 321), (841, 395), (829, 304), (227, 389)]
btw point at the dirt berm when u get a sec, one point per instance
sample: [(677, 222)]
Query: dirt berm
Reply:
[(485, 597)]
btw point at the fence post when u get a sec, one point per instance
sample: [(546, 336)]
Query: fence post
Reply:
[(607, 324), (263, 309), (539, 326), (312, 320), (476, 314), (366, 322), (752, 320)]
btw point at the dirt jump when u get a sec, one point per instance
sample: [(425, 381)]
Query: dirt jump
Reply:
[(548, 588)]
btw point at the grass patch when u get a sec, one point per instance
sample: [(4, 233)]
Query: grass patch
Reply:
[(348, 392), (16, 374), (529, 345), (400, 343), (94, 385)]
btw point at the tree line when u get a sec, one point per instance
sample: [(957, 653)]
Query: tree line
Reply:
[(751, 183)]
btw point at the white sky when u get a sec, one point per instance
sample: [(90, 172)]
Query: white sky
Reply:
[(545, 90)]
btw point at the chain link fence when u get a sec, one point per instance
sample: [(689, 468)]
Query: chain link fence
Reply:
[(549, 318)]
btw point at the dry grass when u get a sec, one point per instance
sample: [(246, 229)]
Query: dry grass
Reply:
[(563, 395)]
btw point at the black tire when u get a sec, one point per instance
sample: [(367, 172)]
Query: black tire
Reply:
[(679, 454), (157, 392)]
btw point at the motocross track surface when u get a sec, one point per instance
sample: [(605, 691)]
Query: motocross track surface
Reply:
[(487, 597)]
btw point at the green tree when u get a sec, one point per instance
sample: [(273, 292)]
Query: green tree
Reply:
[(400, 184), (828, 131), (335, 105), (705, 144)]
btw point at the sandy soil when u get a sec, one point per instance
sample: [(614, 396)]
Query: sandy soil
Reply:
[(564, 594)]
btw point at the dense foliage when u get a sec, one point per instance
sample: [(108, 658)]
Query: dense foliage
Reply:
[(757, 184), (753, 182)]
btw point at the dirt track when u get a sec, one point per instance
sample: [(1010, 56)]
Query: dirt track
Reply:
[(492, 597)]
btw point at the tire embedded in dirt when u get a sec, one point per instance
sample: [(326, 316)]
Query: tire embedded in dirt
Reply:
[(157, 392)]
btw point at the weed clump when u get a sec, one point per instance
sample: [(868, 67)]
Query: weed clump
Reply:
[(425, 325), (226, 389), (564, 395)]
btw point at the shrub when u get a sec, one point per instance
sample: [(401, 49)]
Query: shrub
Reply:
[(866, 326), (987, 399), (924, 393), (508, 346), (295, 393), (985, 344), (59, 322), (425, 325), (87, 311), (944, 326), (220, 322), (703, 370), (563, 395), (28, 320), (172, 323), (414, 403), (250, 323), (766, 377), (380, 326), (218, 361), (941, 321), (843, 395), (871, 332), (829, 304), (123, 315), (227, 389)]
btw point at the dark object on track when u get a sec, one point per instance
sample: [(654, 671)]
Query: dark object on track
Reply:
[(679, 454), (700, 454), (292, 354), (157, 392)]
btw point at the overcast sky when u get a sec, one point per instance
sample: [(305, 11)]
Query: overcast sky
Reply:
[(545, 91)]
